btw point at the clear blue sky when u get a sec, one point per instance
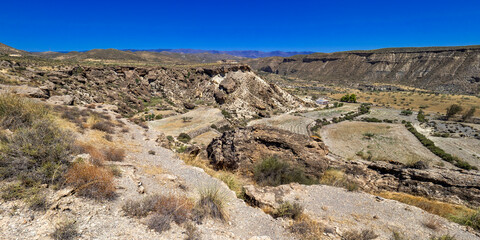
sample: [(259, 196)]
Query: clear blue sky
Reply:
[(323, 26)]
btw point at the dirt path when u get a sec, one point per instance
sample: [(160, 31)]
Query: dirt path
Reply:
[(245, 221)]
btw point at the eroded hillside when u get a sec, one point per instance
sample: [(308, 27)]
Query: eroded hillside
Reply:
[(441, 69)]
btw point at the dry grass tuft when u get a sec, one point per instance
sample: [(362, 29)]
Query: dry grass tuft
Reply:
[(114, 154), (288, 210), (91, 181), (356, 235), (65, 231), (212, 203), (432, 223), (446, 210), (104, 126), (97, 156), (307, 228)]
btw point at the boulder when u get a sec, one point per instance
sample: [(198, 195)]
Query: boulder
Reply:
[(61, 100), (228, 85)]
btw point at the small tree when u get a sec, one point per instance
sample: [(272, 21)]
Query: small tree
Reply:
[(468, 114), (453, 109)]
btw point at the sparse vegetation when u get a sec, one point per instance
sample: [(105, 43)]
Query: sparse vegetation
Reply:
[(183, 137), (438, 151), (114, 154), (91, 181), (452, 110), (366, 234), (406, 112), (288, 210), (104, 126), (350, 98), (66, 231), (307, 228), (212, 203), (272, 171), (337, 178)]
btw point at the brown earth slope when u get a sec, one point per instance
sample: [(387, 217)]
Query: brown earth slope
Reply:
[(442, 69)]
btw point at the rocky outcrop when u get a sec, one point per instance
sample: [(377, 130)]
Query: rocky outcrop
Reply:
[(234, 88), (240, 149), (441, 69), (342, 211)]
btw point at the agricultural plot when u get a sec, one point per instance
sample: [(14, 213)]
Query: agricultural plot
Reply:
[(467, 149), (205, 138), (376, 142), (390, 114), (331, 112), (296, 124), (193, 123)]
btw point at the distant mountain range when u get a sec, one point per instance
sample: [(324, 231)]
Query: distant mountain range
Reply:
[(243, 54)]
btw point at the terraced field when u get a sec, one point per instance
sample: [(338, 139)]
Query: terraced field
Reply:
[(332, 112), (296, 124), (377, 142)]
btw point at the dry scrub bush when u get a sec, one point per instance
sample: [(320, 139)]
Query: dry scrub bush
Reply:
[(212, 203), (36, 153), (356, 235), (91, 181), (159, 222), (288, 210), (114, 154), (307, 228), (65, 231), (163, 210), (104, 126), (432, 223), (273, 172), (337, 178), (97, 156), (192, 232), (18, 112)]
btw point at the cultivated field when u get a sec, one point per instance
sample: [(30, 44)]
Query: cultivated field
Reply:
[(197, 122), (296, 124), (429, 102), (389, 113), (375, 141), (467, 149), (331, 112)]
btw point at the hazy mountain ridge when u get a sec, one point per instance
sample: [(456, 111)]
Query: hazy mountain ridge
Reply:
[(237, 53)]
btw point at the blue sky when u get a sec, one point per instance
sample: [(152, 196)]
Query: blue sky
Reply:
[(322, 26)]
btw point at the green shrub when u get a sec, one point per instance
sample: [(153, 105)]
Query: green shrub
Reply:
[(421, 116), (226, 114), (407, 112), (273, 172), (452, 110), (183, 137), (351, 98)]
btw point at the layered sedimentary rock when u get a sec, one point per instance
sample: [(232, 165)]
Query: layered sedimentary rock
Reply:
[(441, 69)]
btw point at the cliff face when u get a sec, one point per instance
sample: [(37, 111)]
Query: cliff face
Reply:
[(441, 69)]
